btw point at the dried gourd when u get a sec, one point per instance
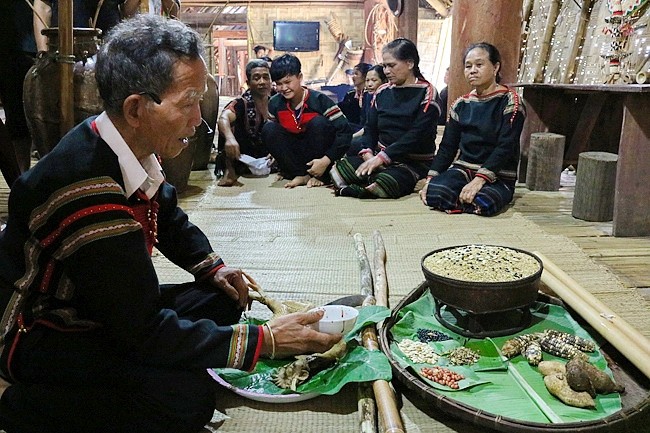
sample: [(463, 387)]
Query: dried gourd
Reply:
[(557, 385), (583, 376)]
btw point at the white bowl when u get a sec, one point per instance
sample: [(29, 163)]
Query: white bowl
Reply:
[(338, 319)]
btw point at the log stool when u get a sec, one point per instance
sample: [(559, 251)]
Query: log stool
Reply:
[(545, 158), (593, 199)]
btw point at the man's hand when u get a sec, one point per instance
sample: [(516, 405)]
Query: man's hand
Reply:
[(318, 166), (470, 190), (232, 149), (293, 336), (232, 283)]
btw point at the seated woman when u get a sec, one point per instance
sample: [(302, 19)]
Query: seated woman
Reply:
[(485, 126), (374, 79), (398, 141), (351, 104)]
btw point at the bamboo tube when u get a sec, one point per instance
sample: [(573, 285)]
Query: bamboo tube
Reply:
[(366, 404), (367, 409), (381, 283), (384, 393), (364, 265), (585, 13), (632, 344), (554, 8), (66, 62)]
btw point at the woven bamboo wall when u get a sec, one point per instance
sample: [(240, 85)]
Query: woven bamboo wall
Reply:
[(590, 66)]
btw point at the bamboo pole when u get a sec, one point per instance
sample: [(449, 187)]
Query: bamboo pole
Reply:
[(632, 344), (366, 405), (66, 62), (554, 9), (364, 266), (578, 41), (384, 393)]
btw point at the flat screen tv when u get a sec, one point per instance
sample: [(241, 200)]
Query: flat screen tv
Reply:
[(296, 35)]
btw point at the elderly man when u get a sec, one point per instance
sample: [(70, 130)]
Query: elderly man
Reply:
[(241, 121), (90, 341)]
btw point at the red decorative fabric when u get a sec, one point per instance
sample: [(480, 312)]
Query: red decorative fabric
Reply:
[(145, 211)]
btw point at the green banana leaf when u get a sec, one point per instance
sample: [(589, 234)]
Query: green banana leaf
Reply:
[(513, 388), (358, 365)]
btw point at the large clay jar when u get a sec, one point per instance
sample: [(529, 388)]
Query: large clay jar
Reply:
[(209, 110), (41, 92)]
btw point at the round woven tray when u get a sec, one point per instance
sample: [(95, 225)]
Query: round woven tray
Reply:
[(633, 417)]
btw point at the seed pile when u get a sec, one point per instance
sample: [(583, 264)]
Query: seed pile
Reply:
[(428, 335), (463, 356), (417, 352), (481, 264), (443, 376)]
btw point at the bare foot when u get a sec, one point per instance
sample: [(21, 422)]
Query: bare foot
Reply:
[(298, 181), (279, 177), (229, 181), (313, 182)]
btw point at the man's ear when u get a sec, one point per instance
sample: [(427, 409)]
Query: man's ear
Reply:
[(133, 109)]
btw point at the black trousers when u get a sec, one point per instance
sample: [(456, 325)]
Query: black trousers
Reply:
[(293, 151), (76, 382)]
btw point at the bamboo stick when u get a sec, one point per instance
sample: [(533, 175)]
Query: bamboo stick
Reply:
[(366, 405), (66, 64), (632, 344), (364, 266), (381, 283), (384, 393), (554, 8), (585, 14)]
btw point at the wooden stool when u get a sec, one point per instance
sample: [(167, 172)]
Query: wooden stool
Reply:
[(593, 199), (545, 158)]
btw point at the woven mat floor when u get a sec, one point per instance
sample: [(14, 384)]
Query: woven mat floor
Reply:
[(298, 244)]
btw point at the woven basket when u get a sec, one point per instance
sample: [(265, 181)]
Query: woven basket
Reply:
[(633, 417)]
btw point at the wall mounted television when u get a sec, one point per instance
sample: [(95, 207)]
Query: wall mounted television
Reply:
[(296, 35)]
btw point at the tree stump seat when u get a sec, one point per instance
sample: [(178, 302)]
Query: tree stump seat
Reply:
[(545, 158), (593, 198)]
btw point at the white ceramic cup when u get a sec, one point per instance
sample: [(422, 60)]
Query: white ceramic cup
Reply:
[(337, 319)]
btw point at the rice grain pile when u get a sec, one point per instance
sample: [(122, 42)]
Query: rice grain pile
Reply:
[(481, 264)]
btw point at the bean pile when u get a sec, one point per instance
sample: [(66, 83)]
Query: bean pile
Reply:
[(428, 335), (463, 356), (418, 352), (481, 263), (443, 376)]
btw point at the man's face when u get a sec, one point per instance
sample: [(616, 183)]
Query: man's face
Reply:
[(179, 113), (289, 87), (260, 82)]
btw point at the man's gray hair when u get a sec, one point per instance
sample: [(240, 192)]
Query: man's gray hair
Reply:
[(138, 56)]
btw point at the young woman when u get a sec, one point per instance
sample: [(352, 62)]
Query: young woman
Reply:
[(485, 126), (374, 79), (397, 144), (351, 104)]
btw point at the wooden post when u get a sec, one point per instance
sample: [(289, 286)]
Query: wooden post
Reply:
[(407, 22), (545, 159), (554, 9), (66, 62), (593, 199), (495, 21)]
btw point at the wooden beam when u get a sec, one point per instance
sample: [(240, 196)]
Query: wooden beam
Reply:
[(209, 3), (440, 7), (204, 19), (230, 34)]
